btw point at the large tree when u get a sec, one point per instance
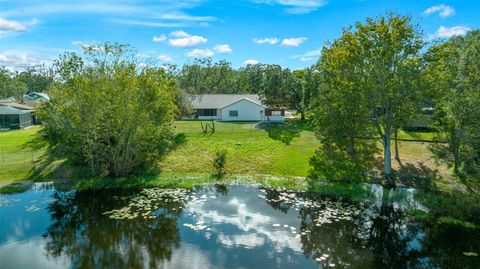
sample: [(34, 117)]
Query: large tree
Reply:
[(390, 62), (109, 113), (452, 73), (305, 91), (379, 63)]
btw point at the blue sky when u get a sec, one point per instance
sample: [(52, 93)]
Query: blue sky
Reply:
[(286, 32)]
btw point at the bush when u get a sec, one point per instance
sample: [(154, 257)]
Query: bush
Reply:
[(220, 161)]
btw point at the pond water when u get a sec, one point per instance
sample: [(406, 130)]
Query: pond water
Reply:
[(222, 227)]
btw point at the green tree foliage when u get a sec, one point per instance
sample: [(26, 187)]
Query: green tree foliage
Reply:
[(452, 73), (37, 78), (307, 87), (370, 76), (340, 113), (205, 76), (10, 86), (249, 78), (275, 84), (108, 113), (277, 87)]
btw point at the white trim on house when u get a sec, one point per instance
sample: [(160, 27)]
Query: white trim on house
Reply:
[(242, 100)]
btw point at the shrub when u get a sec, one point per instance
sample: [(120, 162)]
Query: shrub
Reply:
[(220, 161)]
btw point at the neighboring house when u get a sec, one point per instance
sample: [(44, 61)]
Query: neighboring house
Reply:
[(232, 107), (35, 98), (16, 105), (423, 121), (14, 118)]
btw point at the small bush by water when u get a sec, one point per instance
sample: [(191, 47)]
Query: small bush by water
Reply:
[(219, 162)]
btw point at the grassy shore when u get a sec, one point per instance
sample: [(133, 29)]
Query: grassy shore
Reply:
[(283, 151)]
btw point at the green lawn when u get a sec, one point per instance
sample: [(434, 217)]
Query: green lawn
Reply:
[(280, 152), (250, 151), (16, 158)]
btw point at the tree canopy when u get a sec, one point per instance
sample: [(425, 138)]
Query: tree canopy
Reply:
[(369, 81), (108, 112)]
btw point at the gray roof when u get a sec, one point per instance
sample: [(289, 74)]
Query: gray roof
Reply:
[(220, 100), (37, 96), (8, 110)]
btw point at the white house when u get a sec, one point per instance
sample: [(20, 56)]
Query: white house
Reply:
[(233, 107)]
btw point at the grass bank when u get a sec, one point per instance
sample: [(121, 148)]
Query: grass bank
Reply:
[(253, 151)]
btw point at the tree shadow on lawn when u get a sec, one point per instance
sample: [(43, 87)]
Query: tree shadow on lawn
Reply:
[(284, 132), (418, 176)]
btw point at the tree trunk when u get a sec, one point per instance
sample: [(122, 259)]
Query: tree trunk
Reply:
[(387, 158), (351, 147), (454, 149), (397, 154), (302, 115)]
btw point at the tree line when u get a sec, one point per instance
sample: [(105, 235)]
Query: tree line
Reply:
[(32, 79), (277, 86)]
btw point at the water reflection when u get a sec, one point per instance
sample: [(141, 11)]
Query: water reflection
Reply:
[(93, 240), (223, 227)]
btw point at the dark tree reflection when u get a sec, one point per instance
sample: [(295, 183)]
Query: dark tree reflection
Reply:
[(93, 240), (274, 198), (382, 235)]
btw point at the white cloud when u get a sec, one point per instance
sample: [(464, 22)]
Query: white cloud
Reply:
[(306, 59), (293, 42), (223, 49), (251, 61), (442, 10), (159, 38), (185, 17), (200, 53), (165, 58), (446, 32), (183, 40), (295, 6), (166, 14), (14, 60), (77, 43), (267, 40), (159, 24), (179, 34), (11, 26), (308, 56)]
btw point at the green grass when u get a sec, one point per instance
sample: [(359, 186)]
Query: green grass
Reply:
[(16, 159), (188, 181), (16, 187), (427, 136), (249, 151), (282, 152)]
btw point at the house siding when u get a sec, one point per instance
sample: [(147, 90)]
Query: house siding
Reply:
[(247, 111)]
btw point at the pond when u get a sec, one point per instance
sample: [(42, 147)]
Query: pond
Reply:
[(223, 227)]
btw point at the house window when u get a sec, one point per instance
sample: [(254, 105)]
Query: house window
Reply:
[(207, 112), (276, 113), (233, 113)]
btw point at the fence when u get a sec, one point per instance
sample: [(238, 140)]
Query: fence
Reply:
[(199, 127)]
